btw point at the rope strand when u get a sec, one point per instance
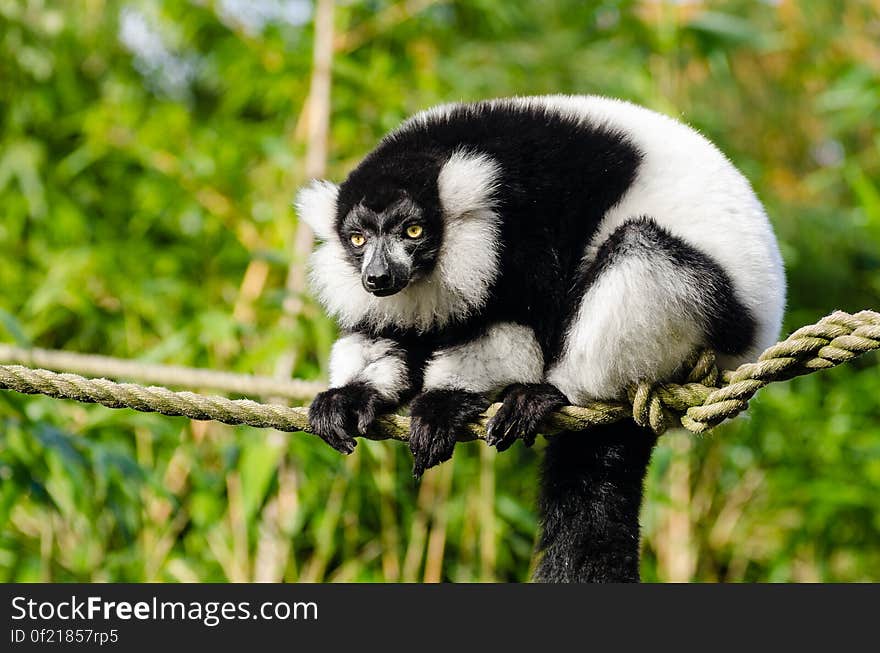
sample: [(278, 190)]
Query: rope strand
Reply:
[(704, 398)]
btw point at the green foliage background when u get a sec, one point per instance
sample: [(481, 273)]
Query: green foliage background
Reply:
[(145, 212)]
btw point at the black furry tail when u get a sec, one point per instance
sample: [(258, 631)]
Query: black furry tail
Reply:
[(591, 492)]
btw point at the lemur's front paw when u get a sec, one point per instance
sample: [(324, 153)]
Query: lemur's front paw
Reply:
[(437, 417), (339, 414), (523, 408)]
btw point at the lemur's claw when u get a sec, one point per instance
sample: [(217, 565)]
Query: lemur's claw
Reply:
[(523, 408), (503, 428), (430, 444), (436, 419), (339, 414)]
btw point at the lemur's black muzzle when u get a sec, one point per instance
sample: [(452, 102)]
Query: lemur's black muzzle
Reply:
[(379, 284), (382, 275)]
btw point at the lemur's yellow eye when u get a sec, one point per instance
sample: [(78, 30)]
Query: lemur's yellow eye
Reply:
[(414, 230), (358, 240)]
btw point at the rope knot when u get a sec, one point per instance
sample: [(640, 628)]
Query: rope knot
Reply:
[(661, 406), (648, 410)]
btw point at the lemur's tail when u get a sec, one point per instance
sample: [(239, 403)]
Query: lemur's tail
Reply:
[(591, 492)]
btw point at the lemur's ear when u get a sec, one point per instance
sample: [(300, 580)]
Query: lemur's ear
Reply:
[(316, 206), (467, 182)]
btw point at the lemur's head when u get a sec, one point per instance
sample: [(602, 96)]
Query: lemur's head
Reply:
[(391, 238), (410, 240)]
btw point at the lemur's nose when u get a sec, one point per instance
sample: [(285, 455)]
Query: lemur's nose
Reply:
[(377, 281)]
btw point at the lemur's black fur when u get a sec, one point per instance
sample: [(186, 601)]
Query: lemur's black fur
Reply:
[(524, 406), (559, 176), (339, 412), (591, 492), (437, 419)]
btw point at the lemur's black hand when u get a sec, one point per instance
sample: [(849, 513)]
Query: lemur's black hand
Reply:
[(523, 408), (437, 417), (339, 414)]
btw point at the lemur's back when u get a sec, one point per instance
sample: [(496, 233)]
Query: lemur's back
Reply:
[(558, 172), (691, 189), (577, 167)]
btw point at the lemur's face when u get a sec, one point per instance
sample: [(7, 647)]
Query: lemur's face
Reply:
[(392, 243)]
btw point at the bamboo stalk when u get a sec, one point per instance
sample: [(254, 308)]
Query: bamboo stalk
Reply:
[(317, 148)]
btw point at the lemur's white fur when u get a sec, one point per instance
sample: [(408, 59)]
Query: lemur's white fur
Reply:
[(507, 353), (636, 321), (466, 265), (467, 184), (316, 206), (357, 358)]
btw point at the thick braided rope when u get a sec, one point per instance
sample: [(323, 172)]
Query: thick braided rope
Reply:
[(704, 397)]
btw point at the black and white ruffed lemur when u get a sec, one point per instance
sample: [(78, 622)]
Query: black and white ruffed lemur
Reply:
[(553, 250)]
